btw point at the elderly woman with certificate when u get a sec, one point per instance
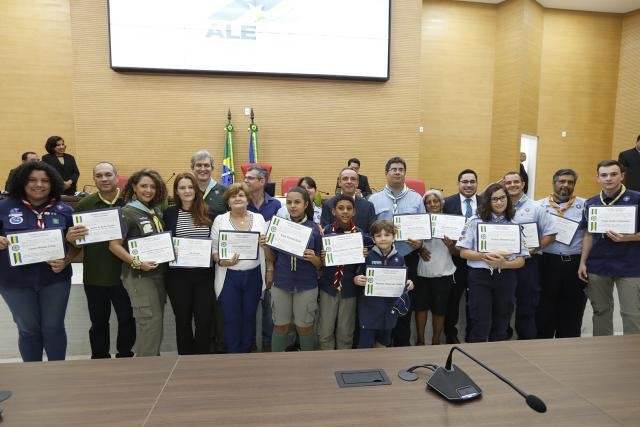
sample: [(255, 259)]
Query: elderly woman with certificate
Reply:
[(35, 276), (241, 270), (493, 246)]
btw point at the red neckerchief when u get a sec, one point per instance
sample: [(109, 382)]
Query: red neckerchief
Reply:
[(39, 214), (339, 274)]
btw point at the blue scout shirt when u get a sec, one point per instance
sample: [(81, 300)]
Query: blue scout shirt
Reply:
[(529, 211), (293, 274), (469, 236), (14, 217), (378, 313), (609, 258), (268, 208), (574, 212), (326, 280)]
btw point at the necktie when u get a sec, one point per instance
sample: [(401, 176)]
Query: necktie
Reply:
[(468, 210)]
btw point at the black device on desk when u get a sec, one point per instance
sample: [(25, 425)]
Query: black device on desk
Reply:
[(4, 395)]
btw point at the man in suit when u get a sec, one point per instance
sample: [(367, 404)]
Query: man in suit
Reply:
[(363, 190), (365, 212), (465, 202), (630, 159), (28, 156)]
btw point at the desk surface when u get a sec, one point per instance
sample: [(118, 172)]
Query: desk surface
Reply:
[(584, 382)]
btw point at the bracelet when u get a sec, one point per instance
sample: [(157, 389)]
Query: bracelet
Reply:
[(136, 264)]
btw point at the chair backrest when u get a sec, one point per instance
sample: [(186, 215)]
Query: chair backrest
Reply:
[(288, 182), (246, 167), (416, 184), (122, 181)]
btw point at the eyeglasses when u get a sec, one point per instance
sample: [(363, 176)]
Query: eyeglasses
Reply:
[(467, 182), (498, 199), (396, 170)]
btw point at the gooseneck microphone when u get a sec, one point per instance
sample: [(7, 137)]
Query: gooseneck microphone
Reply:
[(173, 174)]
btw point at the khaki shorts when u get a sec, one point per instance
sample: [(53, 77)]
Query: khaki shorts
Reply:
[(301, 307)]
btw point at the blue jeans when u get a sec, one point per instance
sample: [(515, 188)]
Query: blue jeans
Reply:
[(39, 315)]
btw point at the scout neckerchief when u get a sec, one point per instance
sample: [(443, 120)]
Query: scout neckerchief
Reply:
[(395, 199), (613, 202), (110, 203), (39, 213), (212, 183), (294, 262), (337, 277), (154, 215), (561, 209)]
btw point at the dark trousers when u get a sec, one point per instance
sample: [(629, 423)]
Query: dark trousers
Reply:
[(491, 299), (562, 297), (401, 334), (99, 300), (460, 285), (527, 298), (191, 294)]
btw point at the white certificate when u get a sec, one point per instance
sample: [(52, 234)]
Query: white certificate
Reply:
[(103, 225), (191, 253), (530, 231), (621, 219), (499, 238), (156, 248), (343, 249), (566, 229), (447, 225), (288, 236), (385, 281), (243, 243), (30, 247), (412, 226)]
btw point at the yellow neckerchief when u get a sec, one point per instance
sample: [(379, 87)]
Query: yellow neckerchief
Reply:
[(110, 203), (561, 209), (613, 202)]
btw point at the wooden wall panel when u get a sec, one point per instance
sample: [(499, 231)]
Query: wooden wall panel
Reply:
[(457, 71), (627, 118), (35, 78), (306, 126), (577, 93)]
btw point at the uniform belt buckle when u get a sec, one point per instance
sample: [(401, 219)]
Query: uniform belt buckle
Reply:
[(565, 258)]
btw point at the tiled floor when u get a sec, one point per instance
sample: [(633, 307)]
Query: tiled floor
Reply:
[(77, 324)]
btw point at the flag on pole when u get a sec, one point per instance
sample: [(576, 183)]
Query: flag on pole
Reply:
[(226, 177), (253, 141)]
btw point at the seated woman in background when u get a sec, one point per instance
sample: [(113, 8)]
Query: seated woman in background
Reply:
[(308, 184), (190, 289), (37, 294), (62, 162), (144, 192)]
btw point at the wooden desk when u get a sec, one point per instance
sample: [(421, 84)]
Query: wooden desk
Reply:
[(584, 382)]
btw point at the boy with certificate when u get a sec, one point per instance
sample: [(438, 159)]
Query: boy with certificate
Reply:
[(378, 315), (337, 292)]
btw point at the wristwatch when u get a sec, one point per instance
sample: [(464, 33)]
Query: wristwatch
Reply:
[(135, 264)]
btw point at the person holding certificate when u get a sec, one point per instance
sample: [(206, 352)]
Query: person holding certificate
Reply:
[(294, 294), (562, 293), (612, 257), (101, 271), (435, 277), (37, 293), (190, 289), (337, 317), (378, 315), (492, 278), (239, 282), (144, 192)]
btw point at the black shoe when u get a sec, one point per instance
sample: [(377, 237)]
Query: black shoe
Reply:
[(452, 339)]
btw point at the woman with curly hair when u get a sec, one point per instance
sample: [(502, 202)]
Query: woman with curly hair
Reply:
[(143, 193)]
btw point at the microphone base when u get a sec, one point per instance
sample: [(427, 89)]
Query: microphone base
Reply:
[(454, 385)]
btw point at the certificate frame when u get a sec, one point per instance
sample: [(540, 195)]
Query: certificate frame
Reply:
[(495, 224), (530, 224), (367, 290), (269, 233), (188, 266), (81, 242), (558, 217), (137, 256), (220, 243), (592, 225), (14, 254), (330, 262), (398, 236), (445, 215)]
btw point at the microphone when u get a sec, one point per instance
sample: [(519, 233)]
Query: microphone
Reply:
[(170, 178)]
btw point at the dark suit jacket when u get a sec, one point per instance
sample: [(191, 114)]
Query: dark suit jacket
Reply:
[(452, 206), (365, 213), (630, 159), (363, 185), (67, 171)]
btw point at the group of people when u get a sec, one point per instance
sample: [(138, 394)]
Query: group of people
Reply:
[(306, 304)]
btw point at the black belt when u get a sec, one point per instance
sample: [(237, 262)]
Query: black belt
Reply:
[(565, 258)]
